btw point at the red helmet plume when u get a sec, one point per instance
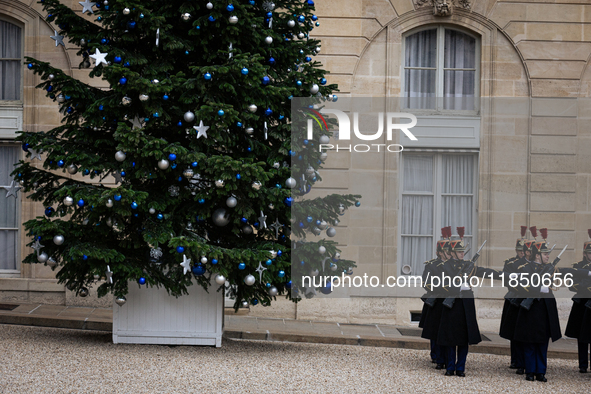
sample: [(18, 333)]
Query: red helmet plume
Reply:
[(460, 231), (523, 231), (544, 232), (534, 231)]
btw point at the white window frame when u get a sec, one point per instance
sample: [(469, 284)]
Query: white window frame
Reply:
[(439, 74), (16, 103), (15, 273), (437, 200)]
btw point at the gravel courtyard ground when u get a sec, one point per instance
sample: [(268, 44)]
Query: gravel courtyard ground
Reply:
[(45, 360)]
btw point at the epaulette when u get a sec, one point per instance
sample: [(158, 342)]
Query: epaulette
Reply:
[(430, 261), (521, 266)]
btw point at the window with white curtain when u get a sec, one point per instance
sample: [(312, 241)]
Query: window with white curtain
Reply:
[(9, 215), (438, 190), (10, 61), (441, 70)]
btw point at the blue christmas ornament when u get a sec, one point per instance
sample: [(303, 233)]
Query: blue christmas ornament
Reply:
[(84, 257), (267, 284), (211, 19), (306, 142), (238, 176), (279, 253), (308, 58), (326, 289), (172, 157), (309, 219), (288, 201), (199, 269), (26, 147), (201, 201), (30, 66), (70, 110), (241, 266), (322, 81), (288, 285), (244, 220), (230, 8), (281, 274), (123, 173), (357, 204), (299, 83), (160, 216), (318, 222), (126, 64), (239, 124), (180, 124), (314, 18), (254, 301), (156, 115), (186, 52), (271, 61), (86, 172), (117, 197), (266, 80), (49, 88), (173, 166), (81, 203), (99, 19), (221, 112), (60, 163), (268, 111), (214, 261), (134, 205), (269, 262), (117, 59), (180, 249), (122, 81), (131, 25), (302, 263), (291, 153), (142, 281), (165, 97), (103, 41), (141, 16), (317, 24), (207, 76), (194, 164), (301, 224), (281, 117), (301, 18), (49, 211), (244, 71), (251, 2)]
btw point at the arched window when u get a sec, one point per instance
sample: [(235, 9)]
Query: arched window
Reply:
[(441, 69), (10, 61)]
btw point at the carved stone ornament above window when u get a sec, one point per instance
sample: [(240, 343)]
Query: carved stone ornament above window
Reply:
[(443, 7)]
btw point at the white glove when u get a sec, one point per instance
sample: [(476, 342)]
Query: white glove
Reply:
[(515, 276), (544, 289), (465, 287), (589, 273)]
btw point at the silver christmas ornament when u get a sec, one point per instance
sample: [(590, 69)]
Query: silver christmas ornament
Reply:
[(219, 183), (189, 116), (163, 164), (268, 40), (247, 230), (310, 170), (231, 202), (61, 98), (152, 211), (144, 97), (188, 173), (126, 11), (173, 190), (336, 222), (42, 258), (271, 206), (252, 108), (273, 254), (109, 222), (321, 249), (72, 169), (316, 231), (276, 165), (314, 89), (58, 240), (186, 16), (109, 203), (245, 304), (126, 101), (220, 279), (290, 183), (83, 292), (256, 185), (120, 300), (314, 272), (82, 42), (249, 280), (249, 130), (331, 232), (318, 49), (155, 81), (333, 267), (350, 270), (209, 6), (220, 217), (323, 156), (273, 291), (51, 77), (337, 255), (341, 209), (290, 23), (233, 19), (120, 156), (85, 221), (51, 262), (68, 201), (203, 260)]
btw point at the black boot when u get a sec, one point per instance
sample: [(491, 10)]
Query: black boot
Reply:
[(529, 377), (440, 366), (449, 373), (520, 371), (540, 377), (583, 370), (513, 366), (460, 373)]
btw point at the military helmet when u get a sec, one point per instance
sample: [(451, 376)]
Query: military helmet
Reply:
[(519, 245), (457, 245), (527, 245), (443, 245), (541, 247)]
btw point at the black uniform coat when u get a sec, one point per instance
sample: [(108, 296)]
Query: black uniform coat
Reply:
[(426, 274), (582, 287), (458, 325), (541, 322), (509, 314), (432, 316)]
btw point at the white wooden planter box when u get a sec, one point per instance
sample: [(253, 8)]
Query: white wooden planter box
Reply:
[(151, 316)]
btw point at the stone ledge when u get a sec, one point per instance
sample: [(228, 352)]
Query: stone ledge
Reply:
[(26, 284)]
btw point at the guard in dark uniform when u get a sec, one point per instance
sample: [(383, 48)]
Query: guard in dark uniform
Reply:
[(510, 309), (579, 320), (430, 319), (437, 356), (458, 327)]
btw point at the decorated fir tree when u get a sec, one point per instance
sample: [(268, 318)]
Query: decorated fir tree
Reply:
[(185, 167)]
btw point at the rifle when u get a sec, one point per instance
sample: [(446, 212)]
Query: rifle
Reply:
[(466, 269), (528, 302), (588, 304)]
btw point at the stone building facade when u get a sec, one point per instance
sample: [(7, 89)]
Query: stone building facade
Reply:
[(527, 170)]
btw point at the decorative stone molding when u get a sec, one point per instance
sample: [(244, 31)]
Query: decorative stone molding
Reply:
[(443, 7)]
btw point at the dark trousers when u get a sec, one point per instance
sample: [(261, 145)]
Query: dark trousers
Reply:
[(437, 353), (583, 354), (456, 358), (517, 354), (536, 357)]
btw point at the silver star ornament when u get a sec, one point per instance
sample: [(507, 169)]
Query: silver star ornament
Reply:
[(37, 246), (36, 154), (186, 264), (262, 220), (109, 275), (12, 190), (58, 39), (99, 58), (201, 129), (260, 270), (87, 6), (276, 226)]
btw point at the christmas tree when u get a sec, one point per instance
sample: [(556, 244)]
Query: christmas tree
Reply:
[(186, 172)]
